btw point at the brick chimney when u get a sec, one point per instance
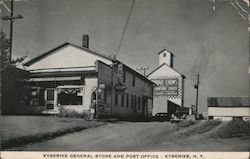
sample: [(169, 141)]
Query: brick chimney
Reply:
[(85, 41)]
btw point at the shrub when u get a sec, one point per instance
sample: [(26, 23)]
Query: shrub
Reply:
[(205, 127), (234, 128), (72, 114)]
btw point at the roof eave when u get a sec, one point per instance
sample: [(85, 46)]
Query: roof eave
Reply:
[(48, 52)]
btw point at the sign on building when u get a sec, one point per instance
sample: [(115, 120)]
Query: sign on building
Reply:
[(166, 86), (120, 88), (120, 71)]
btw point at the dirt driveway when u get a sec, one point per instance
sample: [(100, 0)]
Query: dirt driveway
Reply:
[(139, 136)]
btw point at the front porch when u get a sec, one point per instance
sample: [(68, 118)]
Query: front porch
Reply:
[(51, 94)]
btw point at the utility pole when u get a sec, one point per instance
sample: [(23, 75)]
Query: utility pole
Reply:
[(144, 70), (196, 86), (11, 18), (11, 26)]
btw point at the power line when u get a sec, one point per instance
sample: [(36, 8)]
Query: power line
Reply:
[(238, 11), (240, 6), (5, 6), (126, 25)]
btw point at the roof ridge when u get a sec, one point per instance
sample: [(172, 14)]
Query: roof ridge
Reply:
[(49, 51), (169, 67), (167, 51)]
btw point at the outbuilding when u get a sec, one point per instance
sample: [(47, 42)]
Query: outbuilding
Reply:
[(228, 108)]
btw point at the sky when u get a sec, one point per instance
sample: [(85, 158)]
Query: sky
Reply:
[(214, 44)]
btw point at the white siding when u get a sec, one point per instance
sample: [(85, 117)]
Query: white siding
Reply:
[(164, 71), (223, 118), (160, 103), (66, 57), (229, 111), (166, 59)]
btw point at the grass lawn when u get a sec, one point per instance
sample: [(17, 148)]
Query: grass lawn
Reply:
[(234, 128), (22, 128)]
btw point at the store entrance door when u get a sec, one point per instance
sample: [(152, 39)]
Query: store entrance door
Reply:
[(145, 106), (50, 101)]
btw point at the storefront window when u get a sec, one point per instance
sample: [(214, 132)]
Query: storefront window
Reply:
[(70, 96)]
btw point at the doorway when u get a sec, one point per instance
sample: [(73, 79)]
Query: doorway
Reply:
[(145, 106), (50, 98)]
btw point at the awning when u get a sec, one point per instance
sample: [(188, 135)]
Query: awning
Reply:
[(76, 78)]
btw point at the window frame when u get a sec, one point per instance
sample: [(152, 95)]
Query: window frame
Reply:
[(133, 81), (116, 99), (127, 100), (135, 100), (139, 103), (132, 100), (47, 94), (122, 100)]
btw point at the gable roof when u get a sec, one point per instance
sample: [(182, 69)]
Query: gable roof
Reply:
[(138, 74), (162, 66), (47, 53), (228, 102), (167, 51)]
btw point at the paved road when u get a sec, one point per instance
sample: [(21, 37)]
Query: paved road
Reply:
[(136, 136)]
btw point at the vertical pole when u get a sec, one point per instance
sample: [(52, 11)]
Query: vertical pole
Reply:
[(11, 27), (112, 87), (96, 102), (197, 93), (144, 72)]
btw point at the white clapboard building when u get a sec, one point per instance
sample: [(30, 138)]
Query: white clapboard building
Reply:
[(169, 90), (76, 78)]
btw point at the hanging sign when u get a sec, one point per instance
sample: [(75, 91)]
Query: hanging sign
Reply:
[(120, 71), (120, 88)]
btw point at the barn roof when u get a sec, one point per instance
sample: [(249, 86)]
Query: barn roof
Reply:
[(228, 102)]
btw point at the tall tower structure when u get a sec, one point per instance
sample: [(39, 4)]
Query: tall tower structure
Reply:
[(166, 57), (169, 88)]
